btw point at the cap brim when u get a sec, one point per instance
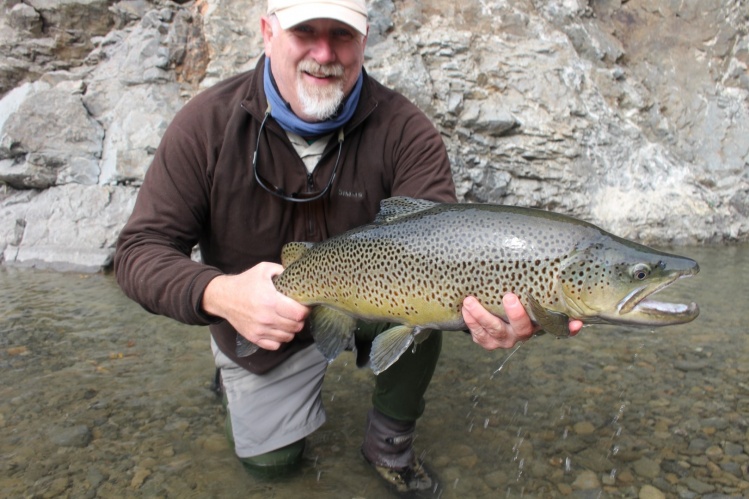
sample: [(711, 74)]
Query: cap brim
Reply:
[(298, 14)]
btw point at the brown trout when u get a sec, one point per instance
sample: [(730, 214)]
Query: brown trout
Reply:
[(418, 260)]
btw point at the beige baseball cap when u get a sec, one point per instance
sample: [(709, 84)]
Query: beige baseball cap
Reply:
[(292, 12)]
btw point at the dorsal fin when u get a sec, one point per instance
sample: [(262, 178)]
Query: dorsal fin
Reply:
[(291, 252), (396, 207)]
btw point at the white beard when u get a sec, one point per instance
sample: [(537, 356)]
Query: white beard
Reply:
[(320, 102)]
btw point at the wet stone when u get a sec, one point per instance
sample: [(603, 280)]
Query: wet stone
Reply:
[(586, 480), (564, 489), (594, 460), (679, 469), (687, 494), (139, 477), (215, 443), (451, 474), (732, 468), (661, 483), (650, 492), (584, 428), (733, 449), (496, 479), (57, 487), (588, 494), (698, 486), (714, 452), (690, 365), (74, 436), (698, 461), (647, 468), (717, 423), (94, 477), (608, 479), (698, 445)]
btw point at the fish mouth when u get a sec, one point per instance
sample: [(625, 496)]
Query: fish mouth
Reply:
[(654, 313), (639, 307)]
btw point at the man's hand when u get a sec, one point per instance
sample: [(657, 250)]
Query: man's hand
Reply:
[(251, 303), (492, 332)]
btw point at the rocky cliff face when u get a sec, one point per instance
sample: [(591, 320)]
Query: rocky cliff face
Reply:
[(632, 115)]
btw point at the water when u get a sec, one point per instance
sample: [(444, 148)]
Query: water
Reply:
[(101, 399)]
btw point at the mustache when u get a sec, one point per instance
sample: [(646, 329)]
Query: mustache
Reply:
[(320, 70)]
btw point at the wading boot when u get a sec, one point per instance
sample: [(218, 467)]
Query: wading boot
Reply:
[(388, 448), (273, 464)]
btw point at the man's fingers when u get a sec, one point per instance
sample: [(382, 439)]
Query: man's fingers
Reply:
[(492, 332), (470, 308), (268, 344), (291, 310), (517, 316), (575, 327)]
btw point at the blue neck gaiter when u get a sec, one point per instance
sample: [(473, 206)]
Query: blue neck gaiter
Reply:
[(282, 113)]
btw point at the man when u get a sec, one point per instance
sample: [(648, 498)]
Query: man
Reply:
[(303, 147)]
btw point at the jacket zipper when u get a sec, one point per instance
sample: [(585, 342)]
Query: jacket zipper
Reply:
[(310, 220), (310, 186)]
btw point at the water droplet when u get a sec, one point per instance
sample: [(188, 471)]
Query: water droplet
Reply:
[(509, 356), (521, 465)]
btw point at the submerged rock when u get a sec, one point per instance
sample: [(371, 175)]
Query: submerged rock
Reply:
[(74, 436)]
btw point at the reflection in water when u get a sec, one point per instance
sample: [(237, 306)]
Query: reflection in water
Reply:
[(99, 398)]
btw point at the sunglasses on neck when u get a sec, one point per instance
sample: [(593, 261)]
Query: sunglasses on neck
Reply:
[(279, 192)]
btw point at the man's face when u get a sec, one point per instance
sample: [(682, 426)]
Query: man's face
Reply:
[(315, 63)]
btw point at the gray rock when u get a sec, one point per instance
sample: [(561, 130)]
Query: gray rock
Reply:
[(25, 18), (49, 138), (74, 436), (697, 486), (537, 104), (55, 228), (698, 445), (487, 117), (732, 468), (733, 449), (691, 365), (95, 477), (646, 468)]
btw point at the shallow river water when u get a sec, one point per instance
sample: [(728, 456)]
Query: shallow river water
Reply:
[(100, 399)]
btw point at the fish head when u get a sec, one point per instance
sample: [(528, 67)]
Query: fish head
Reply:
[(613, 281)]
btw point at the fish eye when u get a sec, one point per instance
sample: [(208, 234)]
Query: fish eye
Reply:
[(640, 271)]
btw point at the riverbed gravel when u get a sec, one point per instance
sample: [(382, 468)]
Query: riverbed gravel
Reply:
[(100, 399)]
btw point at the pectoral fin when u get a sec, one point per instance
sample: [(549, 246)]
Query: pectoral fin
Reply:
[(552, 322), (245, 347), (331, 330), (389, 346), (421, 335)]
